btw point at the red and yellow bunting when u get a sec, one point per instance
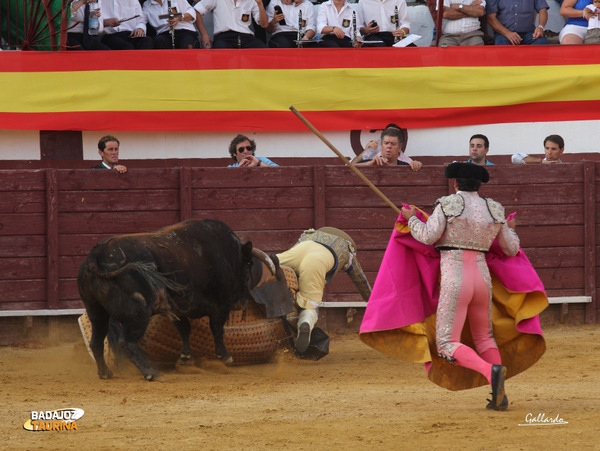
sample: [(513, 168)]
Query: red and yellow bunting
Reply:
[(235, 90)]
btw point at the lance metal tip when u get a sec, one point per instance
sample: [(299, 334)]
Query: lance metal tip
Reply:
[(345, 160)]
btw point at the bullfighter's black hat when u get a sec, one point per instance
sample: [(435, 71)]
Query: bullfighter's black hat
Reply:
[(467, 171)]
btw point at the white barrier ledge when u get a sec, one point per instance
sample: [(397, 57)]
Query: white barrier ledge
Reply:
[(57, 312), (358, 304), (551, 300)]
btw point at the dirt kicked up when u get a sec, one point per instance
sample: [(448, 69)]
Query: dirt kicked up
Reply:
[(355, 398)]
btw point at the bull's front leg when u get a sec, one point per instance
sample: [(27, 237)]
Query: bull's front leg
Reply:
[(217, 322), (99, 319), (184, 328)]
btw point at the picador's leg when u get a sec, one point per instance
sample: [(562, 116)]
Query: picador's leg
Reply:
[(99, 319), (217, 322), (184, 328)]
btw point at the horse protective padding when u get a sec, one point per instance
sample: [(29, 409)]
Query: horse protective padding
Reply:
[(250, 337)]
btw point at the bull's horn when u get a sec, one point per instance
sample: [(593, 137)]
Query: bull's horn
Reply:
[(264, 258)]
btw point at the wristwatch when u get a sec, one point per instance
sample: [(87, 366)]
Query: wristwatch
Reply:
[(460, 6)]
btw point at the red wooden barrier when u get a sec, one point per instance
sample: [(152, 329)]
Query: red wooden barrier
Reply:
[(50, 218)]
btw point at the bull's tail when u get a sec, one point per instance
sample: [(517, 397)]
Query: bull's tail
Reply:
[(147, 270)]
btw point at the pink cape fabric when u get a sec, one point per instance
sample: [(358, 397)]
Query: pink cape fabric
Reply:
[(406, 292)]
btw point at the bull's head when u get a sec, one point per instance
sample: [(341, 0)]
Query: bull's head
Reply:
[(268, 285)]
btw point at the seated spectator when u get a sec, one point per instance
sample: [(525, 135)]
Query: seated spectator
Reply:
[(335, 24), (78, 37), (514, 22), (186, 35), (460, 23), (125, 25), (479, 146), (576, 25), (242, 151), (592, 35), (554, 147), (284, 27), (232, 22), (371, 150), (108, 148), (391, 147), (379, 21)]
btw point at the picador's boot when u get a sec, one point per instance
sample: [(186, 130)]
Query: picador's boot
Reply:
[(306, 322)]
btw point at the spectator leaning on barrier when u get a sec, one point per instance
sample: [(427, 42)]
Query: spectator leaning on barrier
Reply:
[(391, 148), (242, 150), (108, 148), (479, 146), (554, 146), (513, 22)]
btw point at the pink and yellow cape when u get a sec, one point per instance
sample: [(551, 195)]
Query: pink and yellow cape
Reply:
[(400, 316)]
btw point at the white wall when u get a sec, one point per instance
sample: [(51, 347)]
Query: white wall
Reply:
[(505, 139)]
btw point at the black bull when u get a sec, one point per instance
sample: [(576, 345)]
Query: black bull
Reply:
[(191, 269)]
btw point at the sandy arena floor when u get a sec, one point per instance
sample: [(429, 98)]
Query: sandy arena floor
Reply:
[(355, 398)]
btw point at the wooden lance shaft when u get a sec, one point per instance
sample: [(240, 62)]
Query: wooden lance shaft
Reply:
[(346, 162)]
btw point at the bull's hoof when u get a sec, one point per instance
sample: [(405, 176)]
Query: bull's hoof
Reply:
[(226, 359), (106, 374), (185, 360), (152, 375)]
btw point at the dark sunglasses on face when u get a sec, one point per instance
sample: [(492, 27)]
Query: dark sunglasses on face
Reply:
[(241, 149)]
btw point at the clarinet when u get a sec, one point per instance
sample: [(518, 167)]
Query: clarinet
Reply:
[(354, 29), (299, 37), (396, 38), (172, 27)]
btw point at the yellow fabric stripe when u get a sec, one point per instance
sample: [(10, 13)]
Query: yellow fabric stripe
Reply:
[(308, 89)]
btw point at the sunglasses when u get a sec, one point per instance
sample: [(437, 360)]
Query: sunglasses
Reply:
[(241, 149)]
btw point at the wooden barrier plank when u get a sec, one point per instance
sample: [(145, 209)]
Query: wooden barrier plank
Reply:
[(22, 180), (125, 200), (22, 246), (33, 290), (115, 222), (22, 224), (134, 179), (245, 198), (22, 202), (23, 268), (248, 177), (277, 219)]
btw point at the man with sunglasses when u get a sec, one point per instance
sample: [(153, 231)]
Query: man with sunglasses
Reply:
[(242, 151)]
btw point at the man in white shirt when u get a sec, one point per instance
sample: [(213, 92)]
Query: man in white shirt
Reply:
[(232, 20), (336, 25), (554, 146), (381, 23), (184, 29), (124, 25), (460, 23), (78, 36), (284, 35)]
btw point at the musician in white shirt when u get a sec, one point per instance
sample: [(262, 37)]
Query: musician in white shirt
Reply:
[(384, 20), (232, 20)]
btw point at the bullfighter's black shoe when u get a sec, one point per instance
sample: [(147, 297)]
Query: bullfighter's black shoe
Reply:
[(303, 338), (503, 405), (498, 376)]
